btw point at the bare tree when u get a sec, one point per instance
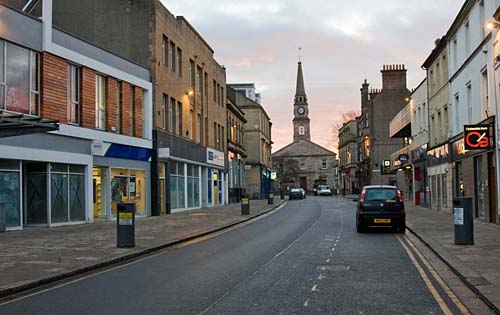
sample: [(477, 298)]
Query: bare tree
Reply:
[(338, 123)]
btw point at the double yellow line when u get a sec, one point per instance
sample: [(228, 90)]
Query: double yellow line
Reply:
[(444, 307)]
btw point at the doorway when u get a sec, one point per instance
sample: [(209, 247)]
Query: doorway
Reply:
[(35, 194), (479, 186), (492, 188), (303, 183)]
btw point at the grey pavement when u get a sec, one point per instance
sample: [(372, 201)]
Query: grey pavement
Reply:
[(477, 265), (36, 256)]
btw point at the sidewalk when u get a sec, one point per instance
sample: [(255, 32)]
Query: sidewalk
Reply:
[(37, 256), (477, 265)]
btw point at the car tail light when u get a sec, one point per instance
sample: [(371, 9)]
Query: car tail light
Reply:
[(362, 196), (400, 196)]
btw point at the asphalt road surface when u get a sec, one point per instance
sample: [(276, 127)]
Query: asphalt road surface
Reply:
[(305, 258)]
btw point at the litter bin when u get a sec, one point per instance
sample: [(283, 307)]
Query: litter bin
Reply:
[(464, 221), (3, 218), (245, 205), (270, 200), (125, 223)]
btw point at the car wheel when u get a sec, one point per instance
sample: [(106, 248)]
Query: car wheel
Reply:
[(360, 228)]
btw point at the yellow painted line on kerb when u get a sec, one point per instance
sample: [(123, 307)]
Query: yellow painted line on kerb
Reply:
[(444, 286), (446, 310)]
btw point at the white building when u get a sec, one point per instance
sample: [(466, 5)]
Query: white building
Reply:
[(472, 97)]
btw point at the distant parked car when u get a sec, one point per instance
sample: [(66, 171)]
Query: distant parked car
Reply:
[(380, 206), (295, 193), (303, 192), (324, 190)]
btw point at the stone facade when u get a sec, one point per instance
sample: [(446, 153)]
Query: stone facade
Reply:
[(303, 163)]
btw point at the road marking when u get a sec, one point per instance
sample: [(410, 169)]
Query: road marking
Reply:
[(321, 277), (328, 260), (427, 282), (260, 268), (315, 288), (306, 303), (333, 249), (444, 286), (161, 252)]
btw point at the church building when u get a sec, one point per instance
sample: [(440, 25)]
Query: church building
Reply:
[(303, 163)]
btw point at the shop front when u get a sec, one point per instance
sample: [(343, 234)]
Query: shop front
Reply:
[(418, 159), (474, 169), (438, 189), (120, 173)]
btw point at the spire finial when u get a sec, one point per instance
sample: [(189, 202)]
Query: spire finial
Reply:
[(300, 50)]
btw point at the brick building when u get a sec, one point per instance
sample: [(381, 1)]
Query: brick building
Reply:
[(189, 156), (100, 154)]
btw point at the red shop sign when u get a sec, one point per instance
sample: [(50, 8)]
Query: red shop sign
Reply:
[(478, 137)]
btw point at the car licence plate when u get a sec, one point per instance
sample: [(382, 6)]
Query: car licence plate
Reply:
[(381, 220)]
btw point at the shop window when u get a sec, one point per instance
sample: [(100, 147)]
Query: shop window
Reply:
[(128, 186), (161, 184), (177, 185), (444, 191), (209, 185), (459, 180), (10, 192), (19, 79), (434, 190), (193, 189), (67, 191)]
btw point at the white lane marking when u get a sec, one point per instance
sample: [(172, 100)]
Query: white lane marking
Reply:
[(328, 260), (306, 303), (260, 268), (333, 249), (315, 288), (321, 277)]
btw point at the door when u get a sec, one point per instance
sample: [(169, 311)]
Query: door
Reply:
[(35, 195), (492, 187), (479, 186), (303, 183)]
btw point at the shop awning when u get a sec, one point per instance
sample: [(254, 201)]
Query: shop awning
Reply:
[(18, 124)]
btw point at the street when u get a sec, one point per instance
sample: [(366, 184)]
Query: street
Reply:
[(303, 258)]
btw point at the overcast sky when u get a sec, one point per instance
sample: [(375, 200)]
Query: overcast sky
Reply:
[(343, 43)]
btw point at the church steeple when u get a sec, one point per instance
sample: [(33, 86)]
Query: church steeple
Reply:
[(301, 122)]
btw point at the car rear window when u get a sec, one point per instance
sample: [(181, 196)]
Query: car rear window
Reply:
[(295, 190), (380, 194)]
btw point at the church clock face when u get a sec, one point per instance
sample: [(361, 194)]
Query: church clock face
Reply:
[(301, 110)]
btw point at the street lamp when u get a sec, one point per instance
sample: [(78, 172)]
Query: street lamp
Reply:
[(492, 24)]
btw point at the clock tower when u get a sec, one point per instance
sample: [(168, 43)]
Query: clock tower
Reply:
[(301, 122)]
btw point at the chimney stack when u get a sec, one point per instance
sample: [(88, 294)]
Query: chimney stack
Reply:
[(393, 77)]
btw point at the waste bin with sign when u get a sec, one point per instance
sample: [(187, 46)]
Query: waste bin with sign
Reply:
[(3, 218), (464, 221), (270, 200), (125, 223), (245, 205)]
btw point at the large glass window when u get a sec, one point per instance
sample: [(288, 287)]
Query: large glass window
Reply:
[(177, 185), (179, 118), (19, 79), (128, 186), (161, 188), (67, 184), (100, 102), (193, 181), (99, 185), (10, 192), (74, 94), (36, 193), (459, 180), (209, 185)]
